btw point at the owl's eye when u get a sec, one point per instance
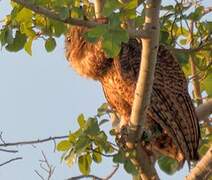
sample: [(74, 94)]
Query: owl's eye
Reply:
[(68, 38)]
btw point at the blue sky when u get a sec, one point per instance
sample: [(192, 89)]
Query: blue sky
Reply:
[(41, 96)]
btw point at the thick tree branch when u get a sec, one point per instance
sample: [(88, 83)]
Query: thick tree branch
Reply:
[(78, 22), (144, 85), (203, 169), (204, 110), (53, 15), (149, 53), (195, 81), (98, 6)]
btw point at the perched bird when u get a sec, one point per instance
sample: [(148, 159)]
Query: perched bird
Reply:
[(171, 127)]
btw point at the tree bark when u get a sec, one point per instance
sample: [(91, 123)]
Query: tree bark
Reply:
[(98, 6), (144, 84), (204, 110), (203, 169)]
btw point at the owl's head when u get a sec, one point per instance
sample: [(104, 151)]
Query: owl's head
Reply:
[(74, 41), (84, 57)]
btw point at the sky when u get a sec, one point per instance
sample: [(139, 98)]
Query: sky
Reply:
[(41, 96)]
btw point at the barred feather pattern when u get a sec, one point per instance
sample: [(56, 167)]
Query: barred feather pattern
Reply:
[(171, 107)]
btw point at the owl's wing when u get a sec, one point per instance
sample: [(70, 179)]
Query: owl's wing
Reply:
[(173, 92), (170, 105), (128, 62)]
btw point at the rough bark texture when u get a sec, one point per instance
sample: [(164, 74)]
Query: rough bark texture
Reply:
[(144, 85), (203, 169)]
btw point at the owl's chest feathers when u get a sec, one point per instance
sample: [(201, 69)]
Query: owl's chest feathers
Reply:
[(91, 65)]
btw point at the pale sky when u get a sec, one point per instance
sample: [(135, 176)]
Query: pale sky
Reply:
[(41, 96)]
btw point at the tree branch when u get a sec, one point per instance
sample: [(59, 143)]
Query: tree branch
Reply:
[(78, 22), (203, 168), (53, 15), (144, 85), (96, 177), (85, 176), (204, 110), (98, 6), (11, 160), (32, 142), (194, 49), (8, 151), (196, 83)]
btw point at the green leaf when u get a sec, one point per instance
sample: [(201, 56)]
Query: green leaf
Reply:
[(3, 36), (182, 57), (102, 109), (24, 15), (84, 163), (207, 84), (168, 165), (97, 157), (119, 157), (27, 30), (95, 33), (184, 41), (110, 6), (81, 121), (114, 22), (92, 127), (130, 167), (70, 158), (131, 5), (110, 46), (76, 12), (203, 149), (63, 145), (101, 141), (17, 43), (28, 46), (74, 136), (9, 36), (197, 14), (64, 13), (57, 28), (82, 143), (50, 44), (164, 35)]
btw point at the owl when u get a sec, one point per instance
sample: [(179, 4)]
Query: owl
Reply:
[(171, 127)]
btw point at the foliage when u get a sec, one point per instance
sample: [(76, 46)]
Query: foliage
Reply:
[(168, 165), (89, 143)]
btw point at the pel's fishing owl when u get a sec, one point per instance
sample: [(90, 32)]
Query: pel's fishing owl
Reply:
[(171, 123)]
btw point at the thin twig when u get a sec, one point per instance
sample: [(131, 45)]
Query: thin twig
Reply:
[(49, 169), (39, 175), (112, 173), (85, 176), (1, 138), (105, 155), (96, 177), (8, 151), (11, 160), (33, 141)]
